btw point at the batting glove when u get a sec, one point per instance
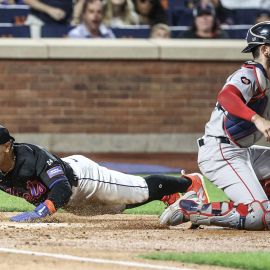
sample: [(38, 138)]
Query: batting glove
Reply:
[(40, 211)]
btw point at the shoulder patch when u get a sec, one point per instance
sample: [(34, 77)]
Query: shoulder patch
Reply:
[(57, 170), (245, 80)]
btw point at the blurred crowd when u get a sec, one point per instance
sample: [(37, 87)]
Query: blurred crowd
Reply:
[(97, 18)]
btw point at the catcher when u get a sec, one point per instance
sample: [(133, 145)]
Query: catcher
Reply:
[(228, 154), (75, 183)]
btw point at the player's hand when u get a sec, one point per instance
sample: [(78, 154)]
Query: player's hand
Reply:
[(41, 211), (56, 13), (262, 125)]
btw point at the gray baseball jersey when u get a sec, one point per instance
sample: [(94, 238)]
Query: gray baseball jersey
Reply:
[(227, 154)]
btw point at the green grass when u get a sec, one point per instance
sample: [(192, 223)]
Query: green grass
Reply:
[(215, 194), (10, 203), (240, 260), (152, 208)]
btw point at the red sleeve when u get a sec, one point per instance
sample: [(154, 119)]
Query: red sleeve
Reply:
[(231, 99)]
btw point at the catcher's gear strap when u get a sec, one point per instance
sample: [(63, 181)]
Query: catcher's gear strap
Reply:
[(254, 216)]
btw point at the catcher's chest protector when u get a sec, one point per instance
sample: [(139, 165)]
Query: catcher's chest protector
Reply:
[(237, 128)]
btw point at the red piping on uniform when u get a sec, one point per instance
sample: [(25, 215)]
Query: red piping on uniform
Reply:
[(257, 79), (234, 171)]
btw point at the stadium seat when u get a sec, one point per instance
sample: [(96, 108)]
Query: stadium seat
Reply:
[(132, 32), (15, 14), (178, 31), (237, 31), (55, 31), (181, 17), (244, 16), (15, 31)]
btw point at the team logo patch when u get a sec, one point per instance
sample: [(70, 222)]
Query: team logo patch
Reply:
[(57, 170), (245, 80)]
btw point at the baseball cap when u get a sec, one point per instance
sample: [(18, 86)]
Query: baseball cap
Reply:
[(4, 135), (204, 10)]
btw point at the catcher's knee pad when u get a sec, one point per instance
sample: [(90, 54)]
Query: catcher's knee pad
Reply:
[(258, 217), (255, 216)]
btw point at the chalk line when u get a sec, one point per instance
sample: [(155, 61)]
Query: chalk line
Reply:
[(90, 260)]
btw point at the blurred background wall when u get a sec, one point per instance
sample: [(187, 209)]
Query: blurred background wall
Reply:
[(75, 97)]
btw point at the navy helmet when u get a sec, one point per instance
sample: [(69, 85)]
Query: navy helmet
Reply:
[(4, 135), (257, 35)]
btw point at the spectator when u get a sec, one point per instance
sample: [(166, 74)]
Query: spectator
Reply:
[(150, 12), (91, 25), (205, 24), (160, 31), (7, 2), (222, 14), (47, 12), (262, 16), (118, 13)]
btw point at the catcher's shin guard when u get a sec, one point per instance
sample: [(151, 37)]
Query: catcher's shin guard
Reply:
[(255, 216)]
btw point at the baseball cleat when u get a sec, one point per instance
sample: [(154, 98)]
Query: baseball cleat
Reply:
[(173, 215), (198, 185), (170, 199)]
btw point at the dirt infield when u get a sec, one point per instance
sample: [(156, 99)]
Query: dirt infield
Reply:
[(117, 238)]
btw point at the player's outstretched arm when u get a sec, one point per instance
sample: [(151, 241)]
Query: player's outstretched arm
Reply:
[(42, 210)]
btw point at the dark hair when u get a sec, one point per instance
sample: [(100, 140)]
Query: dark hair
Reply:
[(256, 52), (157, 13), (4, 135), (86, 3)]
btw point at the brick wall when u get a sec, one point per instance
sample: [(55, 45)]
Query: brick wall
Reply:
[(109, 96)]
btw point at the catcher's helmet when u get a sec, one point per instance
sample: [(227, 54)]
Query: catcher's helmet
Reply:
[(257, 35)]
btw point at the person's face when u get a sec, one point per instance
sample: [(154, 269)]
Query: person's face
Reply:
[(204, 22), (4, 150), (160, 33), (144, 6), (93, 15), (262, 18)]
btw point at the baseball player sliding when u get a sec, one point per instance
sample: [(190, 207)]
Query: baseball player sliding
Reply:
[(76, 183), (227, 154)]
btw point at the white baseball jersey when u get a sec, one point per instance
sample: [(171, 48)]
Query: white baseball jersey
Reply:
[(237, 167), (102, 191)]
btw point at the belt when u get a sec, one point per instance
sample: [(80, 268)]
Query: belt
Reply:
[(201, 141)]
